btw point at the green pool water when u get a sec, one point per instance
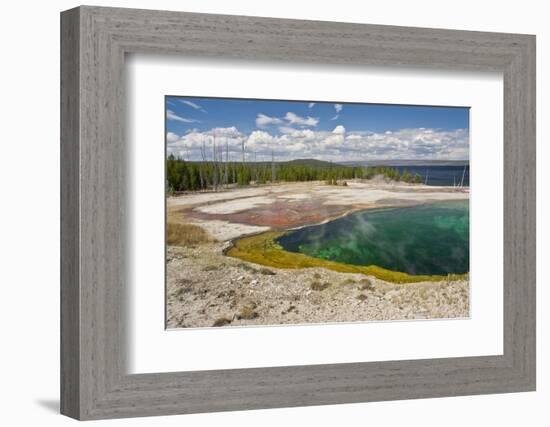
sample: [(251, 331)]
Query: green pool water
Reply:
[(425, 239)]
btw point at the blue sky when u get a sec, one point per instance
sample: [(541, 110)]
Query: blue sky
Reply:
[(322, 130)]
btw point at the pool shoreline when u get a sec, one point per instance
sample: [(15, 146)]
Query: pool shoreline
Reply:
[(274, 254)]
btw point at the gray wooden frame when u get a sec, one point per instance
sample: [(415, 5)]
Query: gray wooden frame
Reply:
[(94, 382)]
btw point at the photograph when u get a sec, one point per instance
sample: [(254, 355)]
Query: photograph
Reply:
[(286, 212)]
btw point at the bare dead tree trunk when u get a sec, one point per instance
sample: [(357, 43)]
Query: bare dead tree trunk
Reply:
[(462, 180), (233, 168), (221, 168), (226, 163), (215, 165), (272, 168), (255, 168), (201, 173)]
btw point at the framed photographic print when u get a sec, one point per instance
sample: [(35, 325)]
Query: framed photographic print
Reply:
[(292, 213)]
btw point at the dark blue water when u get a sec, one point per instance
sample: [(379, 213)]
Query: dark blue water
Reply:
[(440, 175), (425, 239)]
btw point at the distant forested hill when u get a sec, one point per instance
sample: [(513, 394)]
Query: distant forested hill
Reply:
[(406, 163), (314, 163), (182, 175)]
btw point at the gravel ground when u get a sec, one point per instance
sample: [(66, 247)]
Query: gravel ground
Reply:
[(206, 288)]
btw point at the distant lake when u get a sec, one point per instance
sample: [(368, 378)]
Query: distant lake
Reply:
[(440, 175), (425, 239)]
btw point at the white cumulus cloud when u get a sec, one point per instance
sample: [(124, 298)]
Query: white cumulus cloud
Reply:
[(294, 119), (171, 137), (338, 144), (262, 120)]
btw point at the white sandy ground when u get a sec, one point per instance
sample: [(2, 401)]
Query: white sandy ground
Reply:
[(237, 205), (232, 201), (224, 231), (362, 194), (210, 196), (299, 196)]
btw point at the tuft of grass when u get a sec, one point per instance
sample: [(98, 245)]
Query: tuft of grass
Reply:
[(362, 297), (222, 321), (348, 281), (316, 275), (185, 234), (248, 312), (267, 272), (263, 249), (210, 268), (318, 286), (366, 285)]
